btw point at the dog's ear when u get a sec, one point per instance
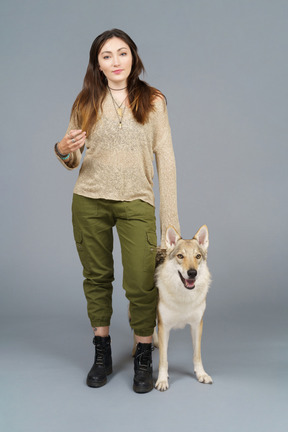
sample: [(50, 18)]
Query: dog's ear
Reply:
[(171, 237), (202, 237)]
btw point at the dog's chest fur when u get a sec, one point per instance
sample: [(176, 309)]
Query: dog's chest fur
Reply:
[(177, 305)]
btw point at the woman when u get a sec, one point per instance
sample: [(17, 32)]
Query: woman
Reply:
[(122, 121)]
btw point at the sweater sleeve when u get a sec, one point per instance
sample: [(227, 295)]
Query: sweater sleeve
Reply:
[(166, 168), (75, 157)]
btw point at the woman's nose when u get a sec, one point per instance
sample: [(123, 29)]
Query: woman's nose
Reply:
[(116, 61)]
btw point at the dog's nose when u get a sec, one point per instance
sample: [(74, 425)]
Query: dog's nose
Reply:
[(192, 273)]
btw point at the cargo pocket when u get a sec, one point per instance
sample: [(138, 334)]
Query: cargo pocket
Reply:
[(151, 249), (78, 237)]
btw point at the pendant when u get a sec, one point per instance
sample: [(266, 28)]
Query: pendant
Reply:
[(120, 125), (119, 110)]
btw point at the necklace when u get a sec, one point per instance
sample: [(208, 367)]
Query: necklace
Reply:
[(119, 111), (117, 89)]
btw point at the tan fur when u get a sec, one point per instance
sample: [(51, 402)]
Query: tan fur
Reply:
[(182, 297)]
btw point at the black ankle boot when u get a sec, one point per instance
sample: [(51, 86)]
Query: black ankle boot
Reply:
[(143, 381), (102, 366)]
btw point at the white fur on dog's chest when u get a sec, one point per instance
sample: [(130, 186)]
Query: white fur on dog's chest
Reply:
[(173, 319)]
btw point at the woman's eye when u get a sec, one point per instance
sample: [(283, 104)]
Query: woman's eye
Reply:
[(106, 57), (198, 256), (180, 256), (124, 54)]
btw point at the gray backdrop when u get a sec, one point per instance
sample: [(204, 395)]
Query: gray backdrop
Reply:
[(222, 65)]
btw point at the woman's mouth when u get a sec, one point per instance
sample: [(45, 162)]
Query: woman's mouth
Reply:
[(118, 71)]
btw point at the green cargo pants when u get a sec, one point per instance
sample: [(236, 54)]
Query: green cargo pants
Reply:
[(93, 220)]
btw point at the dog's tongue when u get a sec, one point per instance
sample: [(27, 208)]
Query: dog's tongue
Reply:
[(189, 283)]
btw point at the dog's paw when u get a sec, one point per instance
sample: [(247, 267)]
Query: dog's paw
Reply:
[(162, 385), (204, 378)]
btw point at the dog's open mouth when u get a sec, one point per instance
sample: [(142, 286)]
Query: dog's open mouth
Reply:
[(188, 283)]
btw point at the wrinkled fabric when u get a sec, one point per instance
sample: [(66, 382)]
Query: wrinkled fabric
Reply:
[(118, 163)]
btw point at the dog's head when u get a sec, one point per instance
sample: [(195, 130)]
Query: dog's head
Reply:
[(188, 255)]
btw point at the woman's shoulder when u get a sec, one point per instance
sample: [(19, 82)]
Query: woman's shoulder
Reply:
[(159, 102)]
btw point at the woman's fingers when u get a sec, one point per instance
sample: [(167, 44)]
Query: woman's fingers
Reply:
[(72, 141), (75, 137)]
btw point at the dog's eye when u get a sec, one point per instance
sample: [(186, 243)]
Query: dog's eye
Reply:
[(180, 256), (198, 256)]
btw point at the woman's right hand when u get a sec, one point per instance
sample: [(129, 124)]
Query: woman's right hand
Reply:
[(72, 141)]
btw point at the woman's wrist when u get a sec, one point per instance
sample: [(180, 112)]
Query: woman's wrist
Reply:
[(62, 156)]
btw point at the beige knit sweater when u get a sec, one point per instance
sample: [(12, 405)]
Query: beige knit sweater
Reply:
[(118, 163)]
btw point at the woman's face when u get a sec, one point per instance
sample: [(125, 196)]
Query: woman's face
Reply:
[(115, 61)]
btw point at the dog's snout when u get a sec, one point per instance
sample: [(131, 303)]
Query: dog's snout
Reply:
[(192, 273)]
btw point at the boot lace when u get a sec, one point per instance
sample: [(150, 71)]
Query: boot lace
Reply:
[(144, 359), (100, 355)]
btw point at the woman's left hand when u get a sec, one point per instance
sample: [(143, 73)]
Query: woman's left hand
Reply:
[(72, 141)]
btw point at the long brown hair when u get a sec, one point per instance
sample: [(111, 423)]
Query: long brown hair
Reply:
[(89, 101)]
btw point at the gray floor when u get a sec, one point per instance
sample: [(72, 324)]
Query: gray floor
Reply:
[(44, 362), (223, 67)]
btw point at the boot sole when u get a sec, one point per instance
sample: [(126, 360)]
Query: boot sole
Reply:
[(95, 384), (140, 389)]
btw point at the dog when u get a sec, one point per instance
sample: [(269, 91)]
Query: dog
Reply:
[(183, 279)]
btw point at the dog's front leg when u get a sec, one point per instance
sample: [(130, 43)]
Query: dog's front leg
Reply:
[(163, 336), (196, 332)]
